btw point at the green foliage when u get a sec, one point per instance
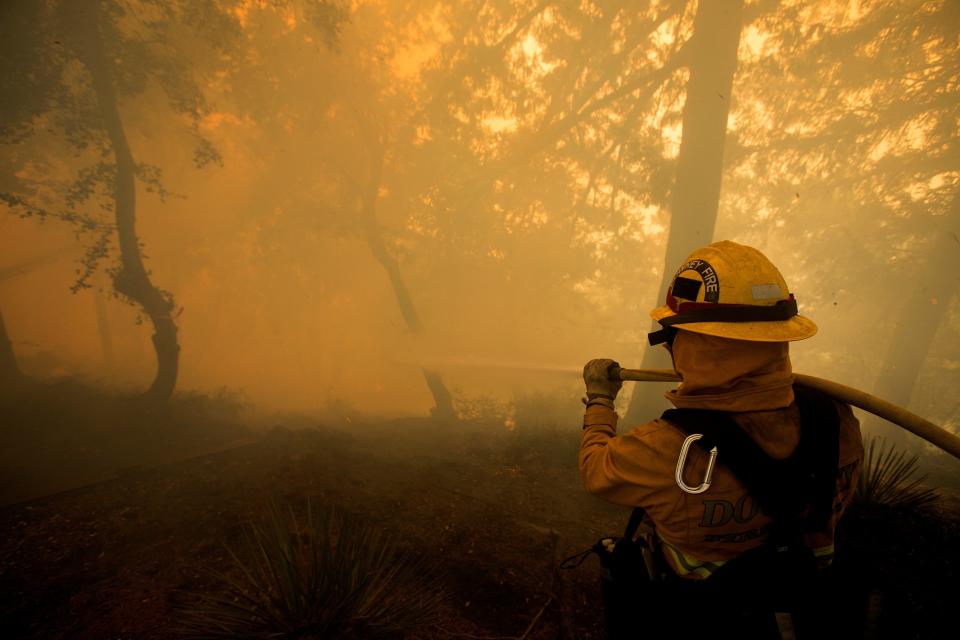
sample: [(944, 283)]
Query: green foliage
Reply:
[(335, 576), (888, 479)]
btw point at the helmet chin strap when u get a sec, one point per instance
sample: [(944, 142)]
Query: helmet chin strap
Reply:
[(664, 335)]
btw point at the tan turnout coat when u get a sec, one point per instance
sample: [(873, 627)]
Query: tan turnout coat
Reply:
[(698, 533)]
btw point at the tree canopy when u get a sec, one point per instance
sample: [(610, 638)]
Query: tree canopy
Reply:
[(511, 164)]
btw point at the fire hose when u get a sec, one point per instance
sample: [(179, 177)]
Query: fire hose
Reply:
[(937, 436)]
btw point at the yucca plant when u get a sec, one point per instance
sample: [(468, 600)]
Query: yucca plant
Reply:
[(888, 477), (335, 576)]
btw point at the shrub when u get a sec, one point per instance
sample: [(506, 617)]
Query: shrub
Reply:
[(888, 478), (485, 410), (547, 426), (334, 577)]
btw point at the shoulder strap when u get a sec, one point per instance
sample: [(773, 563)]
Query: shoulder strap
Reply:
[(636, 517), (783, 488), (819, 448)]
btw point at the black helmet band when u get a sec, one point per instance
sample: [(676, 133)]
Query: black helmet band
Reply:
[(712, 312)]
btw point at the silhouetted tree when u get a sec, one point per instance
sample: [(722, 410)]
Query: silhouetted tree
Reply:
[(514, 174), (131, 280), (846, 166), (10, 374), (712, 61), (369, 194), (118, 62), (920, 316), (488, 145)]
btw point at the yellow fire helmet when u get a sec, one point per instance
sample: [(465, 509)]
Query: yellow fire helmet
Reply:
[(732, 291)]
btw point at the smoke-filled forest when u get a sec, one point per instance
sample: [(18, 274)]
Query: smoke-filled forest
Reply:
[(295, 295)]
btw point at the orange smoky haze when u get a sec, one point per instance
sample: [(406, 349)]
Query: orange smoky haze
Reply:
[(490, 194)]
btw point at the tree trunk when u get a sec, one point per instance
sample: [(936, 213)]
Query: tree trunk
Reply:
[(443, 401), (132, 281), (712, 60), (917, 323), (10, 375), (103, 328)]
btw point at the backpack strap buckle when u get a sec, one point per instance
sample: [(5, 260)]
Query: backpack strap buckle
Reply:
[(682, 461)]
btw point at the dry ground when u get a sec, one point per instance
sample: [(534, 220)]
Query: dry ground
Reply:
[(111, 559)]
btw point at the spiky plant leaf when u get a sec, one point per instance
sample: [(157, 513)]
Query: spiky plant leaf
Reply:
[(888, 478), (334, 576)]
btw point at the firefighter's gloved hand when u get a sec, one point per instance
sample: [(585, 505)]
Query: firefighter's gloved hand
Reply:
[(596, 375)]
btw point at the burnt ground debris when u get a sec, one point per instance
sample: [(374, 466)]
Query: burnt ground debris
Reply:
[(496, 510)]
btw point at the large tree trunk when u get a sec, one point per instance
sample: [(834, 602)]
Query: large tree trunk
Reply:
[(132, 281), (917, 323), (10, 375), (712, 55)]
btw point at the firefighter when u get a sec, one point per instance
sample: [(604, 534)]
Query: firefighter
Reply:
[(717, 520)]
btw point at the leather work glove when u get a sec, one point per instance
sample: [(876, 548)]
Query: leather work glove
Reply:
[(600, 388)]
